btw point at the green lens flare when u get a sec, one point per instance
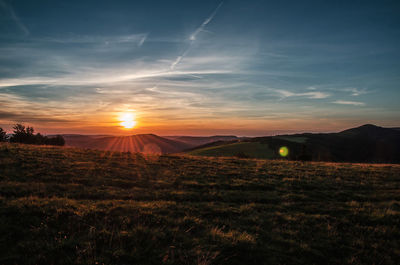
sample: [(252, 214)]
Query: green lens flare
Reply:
[(283, 151)]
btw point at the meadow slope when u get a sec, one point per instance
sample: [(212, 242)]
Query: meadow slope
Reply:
[(75, 206), (364, 144)]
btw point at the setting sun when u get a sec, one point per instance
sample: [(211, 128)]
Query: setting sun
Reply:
[(127, 120)]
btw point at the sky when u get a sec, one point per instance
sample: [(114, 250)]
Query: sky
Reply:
[(248, 68)]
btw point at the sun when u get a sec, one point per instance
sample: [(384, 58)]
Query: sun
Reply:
[(127, 120)]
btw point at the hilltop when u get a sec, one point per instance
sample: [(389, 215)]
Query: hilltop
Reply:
[(74, 206), (145, 143), (366, 144)]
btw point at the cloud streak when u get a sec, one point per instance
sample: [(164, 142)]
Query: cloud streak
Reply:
[(355, 91), (139, 39), (345, 102), (100, 78), (310, 95)]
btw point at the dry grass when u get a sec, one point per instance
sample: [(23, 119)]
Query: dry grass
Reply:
[(72, 206)]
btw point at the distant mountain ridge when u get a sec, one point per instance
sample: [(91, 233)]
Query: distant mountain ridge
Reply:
[(201, 140), (367, 143)]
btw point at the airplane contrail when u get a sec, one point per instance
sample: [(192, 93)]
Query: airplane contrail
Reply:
[(14, 17), (194, 35), (206, 21)]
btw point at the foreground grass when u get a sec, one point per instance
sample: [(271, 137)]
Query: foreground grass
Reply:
[(71, 206)]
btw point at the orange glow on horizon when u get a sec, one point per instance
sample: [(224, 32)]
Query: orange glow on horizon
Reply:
[(127, 120)]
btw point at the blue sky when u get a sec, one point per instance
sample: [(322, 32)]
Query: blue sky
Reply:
[(199, 67)]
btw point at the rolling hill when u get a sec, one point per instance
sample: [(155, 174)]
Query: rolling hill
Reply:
[(235, 148), (367, 143), (144, 143), (202, 140)]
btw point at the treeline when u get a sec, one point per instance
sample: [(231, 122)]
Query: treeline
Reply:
[(26, 135)]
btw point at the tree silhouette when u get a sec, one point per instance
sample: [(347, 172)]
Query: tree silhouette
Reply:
[(22, 134), (3, 135), (26, 135)]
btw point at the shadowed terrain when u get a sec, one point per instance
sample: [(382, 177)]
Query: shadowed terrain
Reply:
[(366, 144), (201, 140), (74, 206)]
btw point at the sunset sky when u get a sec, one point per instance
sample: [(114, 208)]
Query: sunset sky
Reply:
[(199, 67)]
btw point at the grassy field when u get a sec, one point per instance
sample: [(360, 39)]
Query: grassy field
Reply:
[(295, 139), (71, 206), (252, 149)]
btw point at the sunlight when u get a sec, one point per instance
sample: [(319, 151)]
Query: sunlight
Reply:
[(127, 120)]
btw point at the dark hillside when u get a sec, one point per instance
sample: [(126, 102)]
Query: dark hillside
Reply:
[(365, 144)]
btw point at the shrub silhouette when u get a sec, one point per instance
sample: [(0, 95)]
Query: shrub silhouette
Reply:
[(3, 135), (57, 140), (23, 135), (26, 135)]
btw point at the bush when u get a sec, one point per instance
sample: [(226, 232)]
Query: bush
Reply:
[(57, 140)]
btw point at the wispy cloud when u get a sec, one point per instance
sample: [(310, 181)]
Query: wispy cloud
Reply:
[(193, 36), (136, 39), (355, 91), (29, 117), (8, 8), (139, 39), (102, 77), (345, 102), (310, 95)]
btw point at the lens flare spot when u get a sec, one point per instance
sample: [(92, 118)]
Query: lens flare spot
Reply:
[(283, 151)]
